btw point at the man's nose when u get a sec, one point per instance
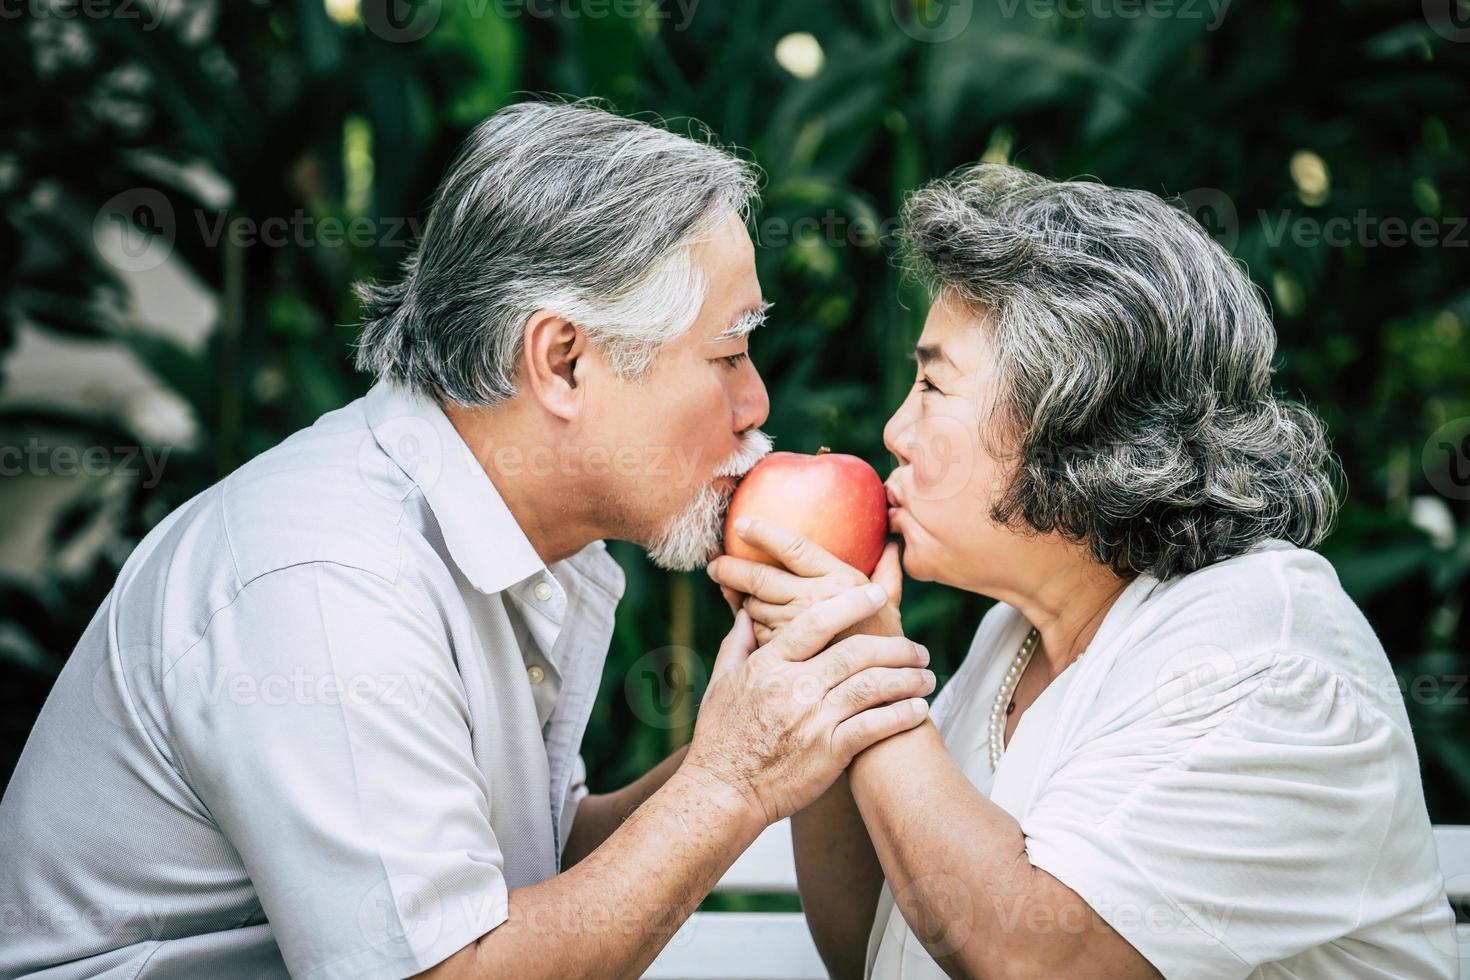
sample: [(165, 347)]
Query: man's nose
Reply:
[(753, 404)]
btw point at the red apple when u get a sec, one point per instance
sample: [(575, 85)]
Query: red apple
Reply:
[(833, 499)]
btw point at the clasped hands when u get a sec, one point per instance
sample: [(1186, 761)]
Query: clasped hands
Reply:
[(772, 597)]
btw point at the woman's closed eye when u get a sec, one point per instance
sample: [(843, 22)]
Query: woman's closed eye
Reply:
[(735, 360), (926, 385)]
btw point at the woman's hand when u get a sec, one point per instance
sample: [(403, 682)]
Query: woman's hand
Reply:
[(773, 596), (780, 723)]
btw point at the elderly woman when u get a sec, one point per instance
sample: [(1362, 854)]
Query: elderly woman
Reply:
[(1175, 746)]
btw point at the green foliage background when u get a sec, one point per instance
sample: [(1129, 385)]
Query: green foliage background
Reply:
[(300, 112)]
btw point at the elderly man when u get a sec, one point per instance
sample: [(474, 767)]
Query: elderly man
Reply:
[(327, 721)]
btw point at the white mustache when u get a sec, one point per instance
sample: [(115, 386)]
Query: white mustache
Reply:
[(693, 535), (755, 446)]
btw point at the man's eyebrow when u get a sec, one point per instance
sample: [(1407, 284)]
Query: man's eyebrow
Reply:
[(746, 322), (927, 355)]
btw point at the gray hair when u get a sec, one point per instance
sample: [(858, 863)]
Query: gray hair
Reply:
[(1134, 368), (556, 206)]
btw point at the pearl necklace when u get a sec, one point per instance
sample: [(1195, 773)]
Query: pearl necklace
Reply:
[(1008, 691)]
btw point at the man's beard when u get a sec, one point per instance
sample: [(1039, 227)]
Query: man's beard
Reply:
[(692, 537)]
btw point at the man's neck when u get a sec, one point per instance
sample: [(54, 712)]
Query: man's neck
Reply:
[(544, 487)]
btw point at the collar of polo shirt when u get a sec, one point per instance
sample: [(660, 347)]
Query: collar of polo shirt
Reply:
[(480, 532)]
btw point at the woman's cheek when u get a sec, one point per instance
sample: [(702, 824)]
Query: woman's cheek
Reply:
[(944, 455)]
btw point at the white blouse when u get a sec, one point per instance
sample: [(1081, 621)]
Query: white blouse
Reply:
[(1226, 776)]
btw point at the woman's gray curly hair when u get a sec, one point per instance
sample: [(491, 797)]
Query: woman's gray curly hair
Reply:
[(1134, 365)]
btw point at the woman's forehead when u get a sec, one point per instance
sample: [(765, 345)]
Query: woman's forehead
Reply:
[(953, 334)]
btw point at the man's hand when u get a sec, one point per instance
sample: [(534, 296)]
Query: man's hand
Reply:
[(774, 596), (779, 724)]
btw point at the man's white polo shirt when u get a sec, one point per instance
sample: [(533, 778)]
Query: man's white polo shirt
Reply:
[(328, 715)]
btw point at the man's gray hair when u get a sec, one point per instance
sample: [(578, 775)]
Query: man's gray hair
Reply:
[(556, 206), (1134, 370)]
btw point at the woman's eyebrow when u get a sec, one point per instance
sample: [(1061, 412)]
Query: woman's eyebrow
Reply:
[(928, 355), (745, 322)]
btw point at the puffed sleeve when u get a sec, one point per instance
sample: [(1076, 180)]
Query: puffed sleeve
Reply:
[(1231, 829), (323, 724)]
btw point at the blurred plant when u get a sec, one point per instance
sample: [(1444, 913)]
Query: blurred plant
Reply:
[(245, 139)]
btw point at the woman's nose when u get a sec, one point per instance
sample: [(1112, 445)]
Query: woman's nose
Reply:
[(895, 428)]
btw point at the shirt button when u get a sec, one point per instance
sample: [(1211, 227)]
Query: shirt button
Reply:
[(543, 591), (535, 674)]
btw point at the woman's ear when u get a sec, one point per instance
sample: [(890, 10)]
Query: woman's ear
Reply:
[(552, 361)]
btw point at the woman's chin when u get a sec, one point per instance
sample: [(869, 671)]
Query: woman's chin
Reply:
[(912, 558), (917, 545), (914, 565)]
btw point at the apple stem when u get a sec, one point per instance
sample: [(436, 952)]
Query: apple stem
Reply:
[(822, 450)]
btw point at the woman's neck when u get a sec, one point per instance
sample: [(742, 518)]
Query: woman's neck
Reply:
[(1065, 594)]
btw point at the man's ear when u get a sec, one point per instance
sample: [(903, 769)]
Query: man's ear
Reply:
[(552, 361)]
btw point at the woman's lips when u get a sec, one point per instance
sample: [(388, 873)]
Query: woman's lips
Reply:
[(895, 505)]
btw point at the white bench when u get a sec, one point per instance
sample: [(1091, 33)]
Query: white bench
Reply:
[(747, 945)]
